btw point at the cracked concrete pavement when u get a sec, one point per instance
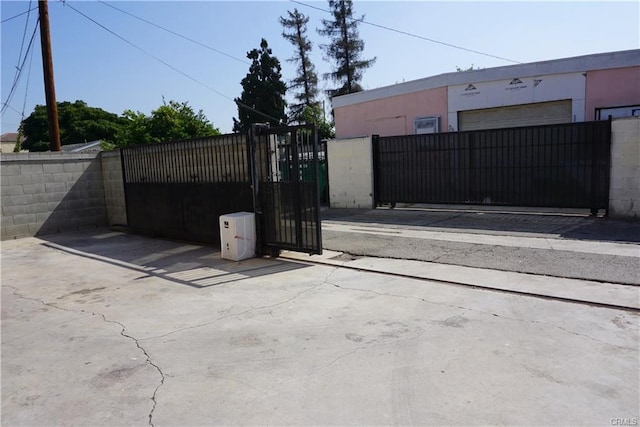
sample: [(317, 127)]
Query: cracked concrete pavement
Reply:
[(108, 329)]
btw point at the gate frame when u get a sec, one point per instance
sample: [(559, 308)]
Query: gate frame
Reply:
[(264, 129)]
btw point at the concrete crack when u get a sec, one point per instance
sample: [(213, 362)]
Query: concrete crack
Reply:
[(122, 332), (226, 316)]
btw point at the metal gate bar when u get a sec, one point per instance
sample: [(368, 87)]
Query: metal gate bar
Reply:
[(288, 181), (179, 189), (565, 165)]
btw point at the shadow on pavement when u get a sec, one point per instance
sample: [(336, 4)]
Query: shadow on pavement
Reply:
[(566, 225), (188, 264)]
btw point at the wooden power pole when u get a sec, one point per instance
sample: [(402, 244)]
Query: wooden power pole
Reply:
[(49, 87)]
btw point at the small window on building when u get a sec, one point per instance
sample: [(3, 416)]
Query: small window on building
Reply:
[(617, 112), (426, 125)]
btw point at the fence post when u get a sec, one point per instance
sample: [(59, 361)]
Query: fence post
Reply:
[(251, 158), (472, 168), (601, 140), (375, 146)]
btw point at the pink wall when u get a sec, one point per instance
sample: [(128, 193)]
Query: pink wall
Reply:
[(391, 116), (615, 87)]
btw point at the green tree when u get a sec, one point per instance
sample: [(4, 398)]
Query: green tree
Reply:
[(77, 121), (314, 114), (345, 48), (171, 121), (263, 91), (306, 79)]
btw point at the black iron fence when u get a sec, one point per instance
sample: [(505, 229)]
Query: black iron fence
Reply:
[(179, 189), (565, 165)]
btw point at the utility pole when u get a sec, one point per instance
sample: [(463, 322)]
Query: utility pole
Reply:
[(49, 87)]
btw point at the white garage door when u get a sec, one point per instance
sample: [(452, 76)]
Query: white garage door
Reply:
[(542, 113)]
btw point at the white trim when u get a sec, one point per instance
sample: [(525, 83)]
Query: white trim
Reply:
[(601, 61)]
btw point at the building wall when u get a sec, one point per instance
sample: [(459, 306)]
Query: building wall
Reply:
[(50, 192), (350, 173), (615, 87), (7, 146), (391, 116), (589, 81), (113, 187), (624, 190), (517, 91)]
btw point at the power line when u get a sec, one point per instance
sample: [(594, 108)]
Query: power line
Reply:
[(18, 15), (26, 88), (406, 33), (176, 34), (16, 76), (5, 104), (241, 104)]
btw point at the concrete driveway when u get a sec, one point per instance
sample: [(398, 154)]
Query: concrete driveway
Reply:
[(110, 329)]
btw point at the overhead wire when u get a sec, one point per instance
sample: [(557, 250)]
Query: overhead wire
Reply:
[(384, 27), (26, 88), (18, 15), (10, 107), (24, 36), (5, 104), (237, 102), (175, 33)]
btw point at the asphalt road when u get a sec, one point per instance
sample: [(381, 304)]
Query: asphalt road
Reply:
[(551, 262)]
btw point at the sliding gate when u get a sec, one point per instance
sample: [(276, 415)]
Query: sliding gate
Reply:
[(179, 189), (563, 165)]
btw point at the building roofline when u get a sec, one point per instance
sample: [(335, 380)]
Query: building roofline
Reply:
[(599, 61)]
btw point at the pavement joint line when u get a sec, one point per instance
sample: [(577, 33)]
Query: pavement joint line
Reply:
[(436, 260), (571, 245), (473, 286), (123, 333)]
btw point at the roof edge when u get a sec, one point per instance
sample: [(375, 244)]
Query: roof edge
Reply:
[(598, 61)]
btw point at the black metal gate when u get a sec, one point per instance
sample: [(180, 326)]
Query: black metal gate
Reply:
[(287, 188), (179, 189), (564, 165)]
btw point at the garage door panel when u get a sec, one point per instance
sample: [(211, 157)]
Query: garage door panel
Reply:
[(543, 113)]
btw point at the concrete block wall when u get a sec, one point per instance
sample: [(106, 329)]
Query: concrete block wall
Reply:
[(113, 187), (624, 190), (351, 173), (46, 193)]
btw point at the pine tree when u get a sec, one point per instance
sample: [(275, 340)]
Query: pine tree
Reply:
[(306, 79), (263, 91), (345, 48)]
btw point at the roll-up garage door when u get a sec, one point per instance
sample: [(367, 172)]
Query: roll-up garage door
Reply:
[(542, 113)]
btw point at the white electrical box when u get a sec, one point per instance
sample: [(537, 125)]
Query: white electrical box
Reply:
[(238, 236)]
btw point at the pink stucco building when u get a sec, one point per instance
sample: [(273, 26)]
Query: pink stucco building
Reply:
[(575, 89)]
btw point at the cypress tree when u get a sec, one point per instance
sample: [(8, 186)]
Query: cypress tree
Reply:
[(345, 48)]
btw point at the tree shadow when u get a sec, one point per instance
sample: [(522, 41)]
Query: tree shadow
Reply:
[(197, 266)]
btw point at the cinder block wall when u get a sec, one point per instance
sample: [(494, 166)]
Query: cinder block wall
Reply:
[(624, 190), (46, 193), (113, 187), (350, 173)]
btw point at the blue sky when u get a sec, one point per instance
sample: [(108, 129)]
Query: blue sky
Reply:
[(95, 66)]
